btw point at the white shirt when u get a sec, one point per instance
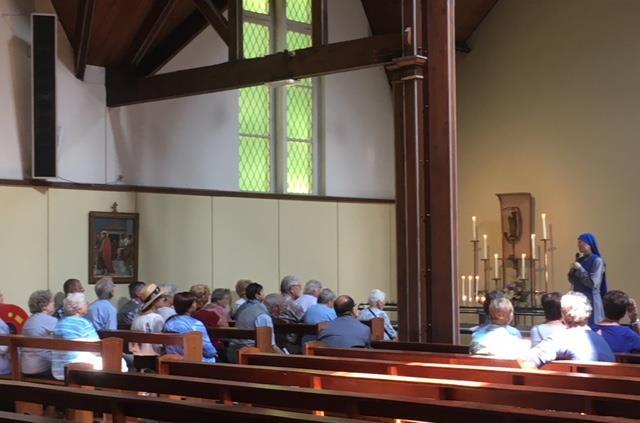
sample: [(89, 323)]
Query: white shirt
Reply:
[(306, 301), (149, 322)]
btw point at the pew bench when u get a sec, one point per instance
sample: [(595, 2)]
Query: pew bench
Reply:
[(521, 377), (600, 368), (596, 403), (261, 336), (420, 346), (354, 403), (191, 342), (122, 405)]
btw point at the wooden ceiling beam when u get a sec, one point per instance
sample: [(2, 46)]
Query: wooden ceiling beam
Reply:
[(150, 30), (236, 30), (172, 44), (82, 35), (319, 22), (125, 88), (215, 18)]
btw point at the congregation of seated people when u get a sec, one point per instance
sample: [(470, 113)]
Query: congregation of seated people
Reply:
[(161, 309)]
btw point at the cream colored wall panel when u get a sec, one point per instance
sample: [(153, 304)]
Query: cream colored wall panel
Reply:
[(245, 242), (175, 239), (364, 247), (393, 259), (69, 233), (309, 241), (23, 244)]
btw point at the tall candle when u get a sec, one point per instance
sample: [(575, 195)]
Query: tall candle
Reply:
[(477, 285), (474, 221), (523, 275), (496, 266), (485, 252), (470, 280), (544, 226), (464, 297), (533, 246)]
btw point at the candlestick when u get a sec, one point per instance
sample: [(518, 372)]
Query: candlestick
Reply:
[(464, 297), (523, 274), (470, 281), (544, 226), (474, 221), (533, 247), (496, 267), (477, 283), (485, 250)]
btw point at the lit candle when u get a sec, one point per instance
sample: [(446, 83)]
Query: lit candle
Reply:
[(496, 266), (533, 246), (477, 284), (464, 297), (470, 280), (475, 227), (544, 226), (485, 251), (523, 275)]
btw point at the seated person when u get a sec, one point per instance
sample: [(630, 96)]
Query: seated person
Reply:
[(320, 312), (494, 338), (345, 331), (553, 318), (276, 304), (183, 322), (291, 290), (145, 355), (102, 313), (204, 313), (310, 295), (487, 319), (220, 300), (76, 327), (37, 362), (252, 315), (5, 354), (165, 304), (377, 300), (68, 287), (241, 288), (577, 342), (131, 308), (620, 338)]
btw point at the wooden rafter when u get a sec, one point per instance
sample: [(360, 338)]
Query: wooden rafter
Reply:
[(236, 40), (171, 45), (124, 88), (150, 30), (215, 18), (319, 22), (82, 36)]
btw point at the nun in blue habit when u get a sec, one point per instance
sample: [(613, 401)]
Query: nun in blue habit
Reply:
[(588, 275)]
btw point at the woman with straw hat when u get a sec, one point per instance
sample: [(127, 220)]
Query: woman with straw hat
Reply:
[(145, 355)]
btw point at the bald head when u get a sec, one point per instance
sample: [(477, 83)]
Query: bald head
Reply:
[(344, 305)]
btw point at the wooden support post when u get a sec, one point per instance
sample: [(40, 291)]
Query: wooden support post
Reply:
[(318, 22), (111, 354), (264, 339), (192, 346), (82, 36), (236, 39)]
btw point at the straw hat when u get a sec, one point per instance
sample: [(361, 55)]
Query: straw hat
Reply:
[(151, 293)]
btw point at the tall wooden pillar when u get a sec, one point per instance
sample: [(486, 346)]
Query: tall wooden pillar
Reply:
[(425, 163)]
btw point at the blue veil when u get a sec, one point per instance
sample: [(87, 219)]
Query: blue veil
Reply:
[(590, 239)]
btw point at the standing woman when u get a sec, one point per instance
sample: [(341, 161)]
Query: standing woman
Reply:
[(588, 275)]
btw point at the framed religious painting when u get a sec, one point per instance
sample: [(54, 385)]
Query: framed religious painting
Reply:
[(113, 246)]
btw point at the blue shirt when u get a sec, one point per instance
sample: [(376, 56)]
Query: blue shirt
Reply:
[(621, 339), (542, 331), (72, 327), (184, 324), (317, 313), (370, 313), (497, 341), (33, 360), (345, 332), (103, 315), (483, 327), (578, 343), (5, 355)]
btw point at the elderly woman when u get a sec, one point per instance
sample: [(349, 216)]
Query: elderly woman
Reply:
[(74, 326), (621, 339), (377, 299), (37, 362), (220, 299), (241, 288), (310, 294), (165, 303), (182, 322), (145, 355), (577, 342), (553, 318), (496, 339), (102, 313)]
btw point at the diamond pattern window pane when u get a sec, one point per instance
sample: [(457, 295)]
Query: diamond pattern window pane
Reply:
[(256, 40), (298, 40), (255, 164), (299, 167), (299, 11), (257, 6), (299, 113), (255, 111)]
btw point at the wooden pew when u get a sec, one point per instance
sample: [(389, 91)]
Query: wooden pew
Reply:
[(355, 403), (191, 342), (631, 358), (17, 417), (420, 346), (540, 378), (121, 405), (375, 385), (600, 368), (262, 336)]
